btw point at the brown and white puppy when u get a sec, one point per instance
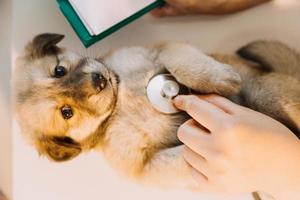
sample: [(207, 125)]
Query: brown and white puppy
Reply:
[(66, 103)]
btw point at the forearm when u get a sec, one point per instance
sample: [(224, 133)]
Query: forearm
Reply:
[(289, 184)]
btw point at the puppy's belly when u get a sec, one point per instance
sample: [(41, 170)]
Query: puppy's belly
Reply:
[(137, 132), (138, 114)]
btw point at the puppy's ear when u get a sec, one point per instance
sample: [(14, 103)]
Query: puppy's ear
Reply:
[(58, 148), (44, 44)]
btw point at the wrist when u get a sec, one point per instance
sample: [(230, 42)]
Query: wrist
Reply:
[(290, 194), (286, 183)]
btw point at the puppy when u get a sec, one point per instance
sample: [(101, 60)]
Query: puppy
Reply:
[(66, 104)]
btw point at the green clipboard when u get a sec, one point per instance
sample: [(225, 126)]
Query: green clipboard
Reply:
[(81, 31)]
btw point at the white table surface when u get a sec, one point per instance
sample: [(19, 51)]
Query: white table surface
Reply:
[(89, 177), (5, 119)]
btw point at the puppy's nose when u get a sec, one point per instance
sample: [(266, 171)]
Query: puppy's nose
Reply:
[(99, 81)]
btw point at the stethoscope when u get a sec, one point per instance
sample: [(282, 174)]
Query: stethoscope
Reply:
[(161, 89)]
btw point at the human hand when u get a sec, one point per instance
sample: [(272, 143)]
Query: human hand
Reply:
[(216, 7), (237, 150)]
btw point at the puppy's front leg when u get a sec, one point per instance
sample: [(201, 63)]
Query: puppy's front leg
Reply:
[(169, 169), (198, 71)]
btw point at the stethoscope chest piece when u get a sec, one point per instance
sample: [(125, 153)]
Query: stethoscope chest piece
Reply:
[(161, 89)]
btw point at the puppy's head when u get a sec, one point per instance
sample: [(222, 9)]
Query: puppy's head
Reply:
[(62, 99)]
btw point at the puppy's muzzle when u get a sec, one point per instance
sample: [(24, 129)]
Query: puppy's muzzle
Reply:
[(99, 81)]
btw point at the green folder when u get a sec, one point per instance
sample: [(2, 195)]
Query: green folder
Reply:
[(83, 33)]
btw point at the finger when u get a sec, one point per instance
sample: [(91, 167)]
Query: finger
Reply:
[(181, 4), (166, 10), (194, 123), (201, 179), (205, 113), (221, 102), (197, 161), (195, 138)]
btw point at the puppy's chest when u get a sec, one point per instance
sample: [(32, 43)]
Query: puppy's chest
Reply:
[(135, 115)]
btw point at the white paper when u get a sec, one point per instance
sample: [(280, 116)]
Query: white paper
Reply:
[(99, 15)]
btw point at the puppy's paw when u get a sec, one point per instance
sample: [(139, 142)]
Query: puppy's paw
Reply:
[(228, 83)]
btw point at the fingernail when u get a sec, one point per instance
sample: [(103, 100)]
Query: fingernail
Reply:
[(178, 101)]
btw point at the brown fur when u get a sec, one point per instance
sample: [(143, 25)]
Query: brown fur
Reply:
[(136, 139)]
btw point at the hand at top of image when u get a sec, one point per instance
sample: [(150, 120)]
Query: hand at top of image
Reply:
[(214, 7)]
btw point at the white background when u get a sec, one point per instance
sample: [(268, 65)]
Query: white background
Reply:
[(89, 177)]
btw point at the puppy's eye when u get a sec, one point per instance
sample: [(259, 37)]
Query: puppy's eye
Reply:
[(66, 112), (59, 71)]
